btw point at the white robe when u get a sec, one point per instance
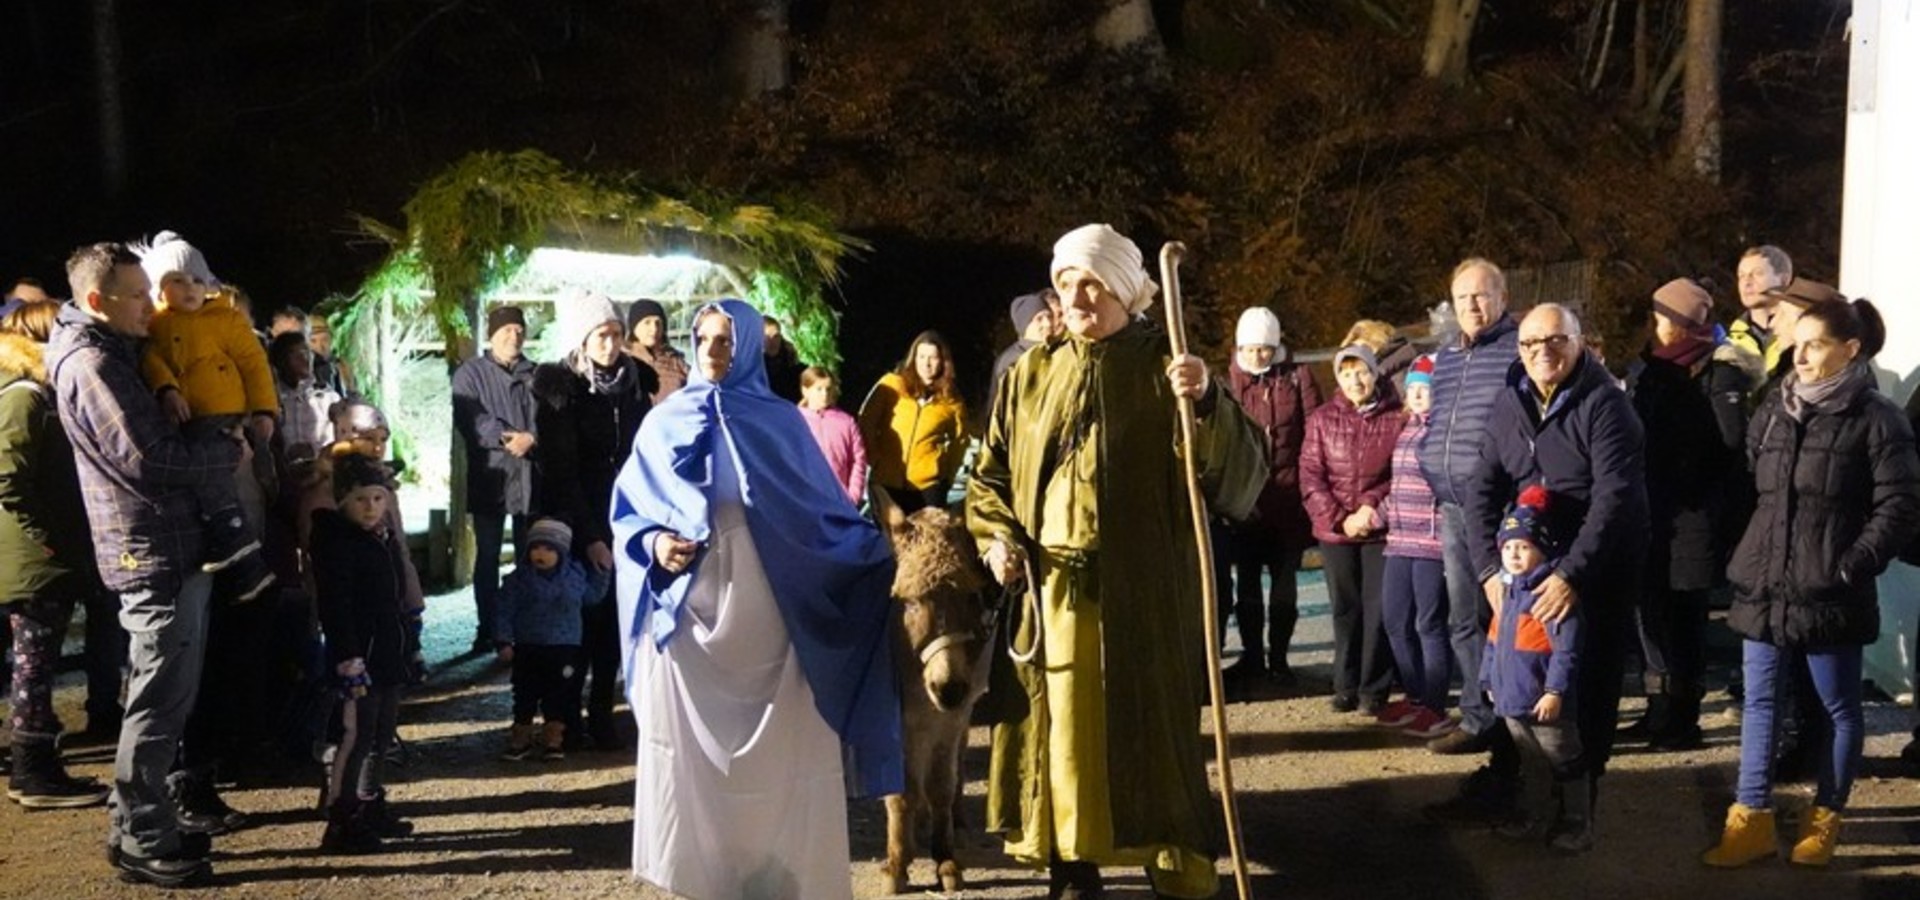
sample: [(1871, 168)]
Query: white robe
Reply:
[(739, 793)]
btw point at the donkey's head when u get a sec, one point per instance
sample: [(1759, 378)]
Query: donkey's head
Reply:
[(939, 589)]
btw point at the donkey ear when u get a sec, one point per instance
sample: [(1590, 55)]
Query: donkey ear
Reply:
[(886, 512)]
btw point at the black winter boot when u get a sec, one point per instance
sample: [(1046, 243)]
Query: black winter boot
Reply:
[(379, 818), (348, 833), (200, 806), (1572, 831), (40, 781), (1682, 731), (1654, 721)]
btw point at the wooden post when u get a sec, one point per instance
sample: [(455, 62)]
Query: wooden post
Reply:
[(439, 549), (460, 540)]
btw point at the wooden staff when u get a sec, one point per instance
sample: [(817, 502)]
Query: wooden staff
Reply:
[(1170, 255)]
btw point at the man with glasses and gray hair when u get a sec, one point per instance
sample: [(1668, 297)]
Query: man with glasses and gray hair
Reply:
[(1561, 422)]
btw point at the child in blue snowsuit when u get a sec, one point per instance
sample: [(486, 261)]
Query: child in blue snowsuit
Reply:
[(1530, 669), (537, 629)]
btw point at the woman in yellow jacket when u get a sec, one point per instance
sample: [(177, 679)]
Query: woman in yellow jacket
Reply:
[(915, 426)]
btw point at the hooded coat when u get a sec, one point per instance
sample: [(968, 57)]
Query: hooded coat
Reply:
[(45, 546), (1106, 527), (1279, 401), (212, 357), (360, 580), (1839, 497)]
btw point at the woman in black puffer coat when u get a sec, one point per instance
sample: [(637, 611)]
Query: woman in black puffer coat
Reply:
[(589, 406), (1839, 496), (1689, 389)]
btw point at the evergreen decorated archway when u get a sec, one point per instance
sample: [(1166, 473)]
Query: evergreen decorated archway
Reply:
[(472, 232)]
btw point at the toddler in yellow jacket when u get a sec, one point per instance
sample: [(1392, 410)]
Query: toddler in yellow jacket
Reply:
[(210, 372)]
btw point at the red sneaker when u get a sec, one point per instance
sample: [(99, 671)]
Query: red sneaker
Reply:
[(1396, 714), (1427, 724)]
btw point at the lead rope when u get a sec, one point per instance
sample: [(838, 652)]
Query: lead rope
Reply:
[(1032, 590)]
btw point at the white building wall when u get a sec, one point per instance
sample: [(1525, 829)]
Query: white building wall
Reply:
[(1880, 252)]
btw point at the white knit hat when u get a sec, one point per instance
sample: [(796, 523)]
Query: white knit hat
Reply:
[(1258, 327), (577, 314), (168, 253), (1112, 258)]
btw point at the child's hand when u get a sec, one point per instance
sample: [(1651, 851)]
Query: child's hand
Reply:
[(505, 653), (262, 427), (175, 405), (1547, 711)]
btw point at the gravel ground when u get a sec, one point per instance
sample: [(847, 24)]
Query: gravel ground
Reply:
[(1330, 809)]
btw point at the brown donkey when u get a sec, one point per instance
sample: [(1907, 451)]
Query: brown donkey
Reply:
[(941, 637)]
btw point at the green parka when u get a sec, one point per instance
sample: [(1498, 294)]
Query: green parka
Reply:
[(44, 542)]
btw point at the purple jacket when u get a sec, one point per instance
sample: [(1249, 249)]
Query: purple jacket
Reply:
[(838, 435), (1279, 400), (1526, 657), (137, 473), (1413, 515), (1347, 461)]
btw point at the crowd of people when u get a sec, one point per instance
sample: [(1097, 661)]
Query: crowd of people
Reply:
[(687, 527)]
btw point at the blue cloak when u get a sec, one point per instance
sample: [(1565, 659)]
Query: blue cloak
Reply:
[(831, 570)]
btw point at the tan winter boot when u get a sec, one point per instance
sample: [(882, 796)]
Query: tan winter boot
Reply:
[(519, 742), (553, 736), (1819, 831), (1748, 837)]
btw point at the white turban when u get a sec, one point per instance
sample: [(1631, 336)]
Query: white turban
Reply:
[(579, 312), (169, 253), (1258, 327), (1112, 258)]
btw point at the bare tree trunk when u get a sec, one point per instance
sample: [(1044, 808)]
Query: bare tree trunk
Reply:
[(1698, 150), (1606, 47), (760, 59), (1449, 36), (1637, 91), (113, 113), (1129, 25)]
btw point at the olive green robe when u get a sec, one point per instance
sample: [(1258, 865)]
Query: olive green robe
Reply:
[(1082, 469)]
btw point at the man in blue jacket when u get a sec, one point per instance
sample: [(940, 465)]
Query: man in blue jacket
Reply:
[(1466, 378), (1561, 422)]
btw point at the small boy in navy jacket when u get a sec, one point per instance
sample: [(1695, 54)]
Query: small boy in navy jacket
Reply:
[(1530, 670), (537, 629)]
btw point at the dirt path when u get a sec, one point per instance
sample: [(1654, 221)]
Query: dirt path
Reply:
[(1330, 806)]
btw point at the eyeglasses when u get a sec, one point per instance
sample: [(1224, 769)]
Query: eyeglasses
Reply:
[(1554, 342)]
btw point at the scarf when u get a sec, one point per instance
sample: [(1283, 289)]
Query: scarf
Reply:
[(1686, 352), (1828, 396), (601, 381)]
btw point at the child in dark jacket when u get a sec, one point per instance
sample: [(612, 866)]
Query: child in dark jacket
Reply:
[(1530, 670), (537, 628), (360, 582)]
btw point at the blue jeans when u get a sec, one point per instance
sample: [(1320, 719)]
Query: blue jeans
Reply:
[(1836, 678), (166, 650), (1467, 618), (1413, 605)]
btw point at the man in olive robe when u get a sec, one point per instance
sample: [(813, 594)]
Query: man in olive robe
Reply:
[(1080, 487)]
